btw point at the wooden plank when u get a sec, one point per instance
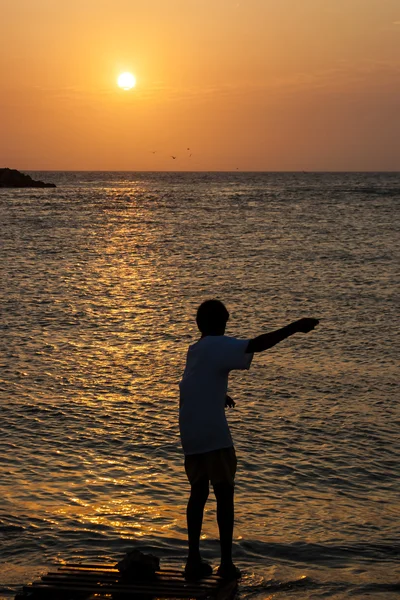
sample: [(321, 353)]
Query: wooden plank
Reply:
[(163, 574), (152, 586), (226, 592), (46, 589), (159, 576), (111, 568), (148, 590)]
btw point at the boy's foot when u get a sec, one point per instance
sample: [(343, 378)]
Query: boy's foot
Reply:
[(229, 572), (195, 570)]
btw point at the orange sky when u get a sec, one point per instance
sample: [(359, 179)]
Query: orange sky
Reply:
[(248, 84)]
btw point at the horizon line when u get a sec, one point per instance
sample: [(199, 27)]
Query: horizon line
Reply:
[(305, 171)]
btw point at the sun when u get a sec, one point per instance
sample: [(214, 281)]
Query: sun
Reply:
[(126, 81)]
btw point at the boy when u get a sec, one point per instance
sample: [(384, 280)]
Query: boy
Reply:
[(206, 440)]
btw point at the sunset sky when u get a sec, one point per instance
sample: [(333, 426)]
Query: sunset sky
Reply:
[(245, 84)]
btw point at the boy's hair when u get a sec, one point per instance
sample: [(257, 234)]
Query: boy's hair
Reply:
[(211, 314)]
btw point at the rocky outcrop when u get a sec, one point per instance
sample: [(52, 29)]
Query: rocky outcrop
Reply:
[(11, 178)]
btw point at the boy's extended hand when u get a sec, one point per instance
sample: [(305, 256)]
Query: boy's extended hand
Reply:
[(306, 324), (229, 402)]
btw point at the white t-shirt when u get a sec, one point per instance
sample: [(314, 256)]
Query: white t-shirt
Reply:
[(202, 421)]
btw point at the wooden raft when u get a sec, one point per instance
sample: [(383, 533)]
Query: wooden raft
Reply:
[(98, 582)]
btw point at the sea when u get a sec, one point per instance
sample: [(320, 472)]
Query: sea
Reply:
[(101, 279)]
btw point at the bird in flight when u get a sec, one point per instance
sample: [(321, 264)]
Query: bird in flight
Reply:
[(174, 157), (153, 151)]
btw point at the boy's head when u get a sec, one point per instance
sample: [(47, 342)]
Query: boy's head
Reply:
[(212, 317)]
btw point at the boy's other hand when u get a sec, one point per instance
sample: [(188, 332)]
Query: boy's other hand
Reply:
[(307, 324), (229, 402)]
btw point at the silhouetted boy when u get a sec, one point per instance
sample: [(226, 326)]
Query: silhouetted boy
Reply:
[(206, 440)]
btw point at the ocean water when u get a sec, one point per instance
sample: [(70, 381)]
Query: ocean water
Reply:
[(101, 278)]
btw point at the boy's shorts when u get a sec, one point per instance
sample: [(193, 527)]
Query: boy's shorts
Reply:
[(218, 466)]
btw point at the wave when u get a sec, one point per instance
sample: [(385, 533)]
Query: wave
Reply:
[(321, 554)]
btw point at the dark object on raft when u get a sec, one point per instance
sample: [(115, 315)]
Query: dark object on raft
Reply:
[(98, 582), (11, 178), (137, 566)]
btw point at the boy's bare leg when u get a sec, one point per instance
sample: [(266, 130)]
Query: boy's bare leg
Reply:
[(224, 493), (194, 513)]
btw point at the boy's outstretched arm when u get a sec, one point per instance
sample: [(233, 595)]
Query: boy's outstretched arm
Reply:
[(267, 340)]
